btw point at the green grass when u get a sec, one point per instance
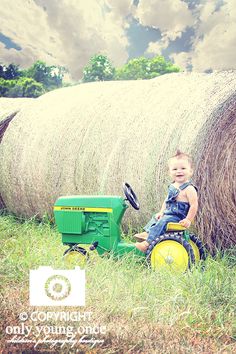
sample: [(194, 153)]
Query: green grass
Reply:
[(200, 302)]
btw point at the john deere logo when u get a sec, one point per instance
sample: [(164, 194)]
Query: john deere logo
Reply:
[(89, 210)]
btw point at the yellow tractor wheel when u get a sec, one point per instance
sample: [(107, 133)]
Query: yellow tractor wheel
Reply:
[(170, 251), (75, 256)]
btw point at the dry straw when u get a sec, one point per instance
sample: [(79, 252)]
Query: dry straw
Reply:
[(89, 138), (9, 107)]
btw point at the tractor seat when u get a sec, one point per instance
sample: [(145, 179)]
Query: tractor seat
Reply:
[(175, 226)]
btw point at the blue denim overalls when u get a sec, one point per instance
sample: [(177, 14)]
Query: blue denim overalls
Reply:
[(174, 212)]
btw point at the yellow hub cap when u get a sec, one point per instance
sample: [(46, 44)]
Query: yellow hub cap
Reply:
[(169, 254), (75, 258)]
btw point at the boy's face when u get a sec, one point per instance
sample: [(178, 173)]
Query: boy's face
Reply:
[(180, 170)]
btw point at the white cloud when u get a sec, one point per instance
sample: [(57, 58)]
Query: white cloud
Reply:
[(183, 59), (69, 32), (163, 43), (157, 47), (24, 59), (26, 25), (121, 7), (65, 32), (171, 17), (214, 42)]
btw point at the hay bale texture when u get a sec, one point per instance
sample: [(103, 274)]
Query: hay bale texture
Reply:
[(89, 138), (9, 107)]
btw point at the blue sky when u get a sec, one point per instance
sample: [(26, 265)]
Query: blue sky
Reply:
[(8, 42), (194, 34)]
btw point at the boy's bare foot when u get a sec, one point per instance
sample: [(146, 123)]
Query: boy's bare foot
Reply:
[(141, 237), (142, 246)]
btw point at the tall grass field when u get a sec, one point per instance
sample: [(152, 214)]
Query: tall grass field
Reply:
[(129, 308)]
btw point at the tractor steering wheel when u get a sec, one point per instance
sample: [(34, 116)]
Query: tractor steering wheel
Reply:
[(131, 196)]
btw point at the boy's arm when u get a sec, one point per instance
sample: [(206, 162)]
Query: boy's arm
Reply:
[(160, 214), (163, 207), (193, 201)]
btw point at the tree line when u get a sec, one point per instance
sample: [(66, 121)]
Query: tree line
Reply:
[(31, 82), (41, 78)]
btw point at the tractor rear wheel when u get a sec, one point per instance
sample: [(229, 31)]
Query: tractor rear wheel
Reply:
[(197, 247), (170, 251)]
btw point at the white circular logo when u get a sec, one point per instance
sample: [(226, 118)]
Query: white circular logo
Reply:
[(57, 287)]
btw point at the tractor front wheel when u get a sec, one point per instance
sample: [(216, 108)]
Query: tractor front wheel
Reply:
[(170, 251), (75, 256)]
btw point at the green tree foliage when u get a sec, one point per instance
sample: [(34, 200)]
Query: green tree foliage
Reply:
[(99, 69), (31, 88), (40, 77), (32, 82), (9, 72), (23, 87), (49, 76), (144, 68)]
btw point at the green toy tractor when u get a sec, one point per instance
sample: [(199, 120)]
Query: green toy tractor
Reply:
[(96, 220)]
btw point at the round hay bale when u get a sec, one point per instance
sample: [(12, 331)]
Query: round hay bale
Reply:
[(89, 138)]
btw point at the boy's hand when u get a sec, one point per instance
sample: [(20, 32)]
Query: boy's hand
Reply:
[(158, 216), (185, 222)]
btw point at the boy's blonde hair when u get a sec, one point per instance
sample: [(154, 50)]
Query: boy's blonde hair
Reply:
[(182, 155)]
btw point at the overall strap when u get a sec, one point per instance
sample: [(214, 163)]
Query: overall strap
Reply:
[(186, 184)]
